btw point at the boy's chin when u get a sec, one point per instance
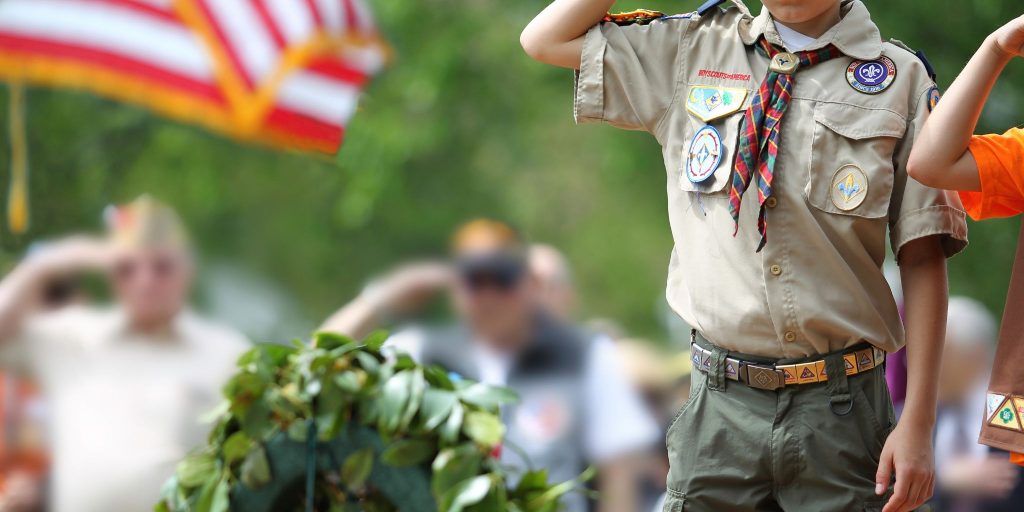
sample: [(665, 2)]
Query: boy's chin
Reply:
[(798, 11), (793, 16)]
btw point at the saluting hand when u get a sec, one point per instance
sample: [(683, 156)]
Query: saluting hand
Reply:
[(74, 254), (409, 286), (1009, 39)]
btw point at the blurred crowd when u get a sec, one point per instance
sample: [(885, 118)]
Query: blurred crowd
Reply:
[(104, 380)]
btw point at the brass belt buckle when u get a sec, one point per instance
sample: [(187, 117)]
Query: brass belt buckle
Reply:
[(764, 377), (785, 63)]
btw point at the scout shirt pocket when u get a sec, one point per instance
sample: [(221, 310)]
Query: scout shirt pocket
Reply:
[(711, 135), (851, 164)]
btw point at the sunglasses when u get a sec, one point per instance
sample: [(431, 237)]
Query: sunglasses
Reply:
[(496, 273)]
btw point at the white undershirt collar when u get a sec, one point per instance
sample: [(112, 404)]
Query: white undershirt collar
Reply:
[(795, 41)]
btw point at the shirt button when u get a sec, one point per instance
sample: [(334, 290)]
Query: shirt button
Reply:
[(790, 336), (776, 270), (771, 202)]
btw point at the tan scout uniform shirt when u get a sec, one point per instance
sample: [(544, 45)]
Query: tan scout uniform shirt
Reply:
[(818, 285), (124, 407)]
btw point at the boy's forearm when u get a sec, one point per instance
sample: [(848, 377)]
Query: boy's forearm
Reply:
[(555, 36), (941, 156), (923, 273)]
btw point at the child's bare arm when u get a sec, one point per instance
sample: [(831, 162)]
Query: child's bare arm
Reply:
[(907, 454), (940, 157), (555, 36)]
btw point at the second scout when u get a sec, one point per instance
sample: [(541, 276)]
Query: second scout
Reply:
[(808, 106)]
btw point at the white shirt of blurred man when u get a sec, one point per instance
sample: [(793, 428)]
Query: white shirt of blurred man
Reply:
[(967, 473), (126, 383), (502, 303)]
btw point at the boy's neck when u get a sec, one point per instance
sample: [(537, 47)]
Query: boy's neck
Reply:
[(817, 26)]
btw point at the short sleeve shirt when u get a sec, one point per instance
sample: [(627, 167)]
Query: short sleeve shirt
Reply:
[(1000, 160), (124, 407), (818, 285)]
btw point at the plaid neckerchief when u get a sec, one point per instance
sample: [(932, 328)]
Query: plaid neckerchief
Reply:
[(760, 133)]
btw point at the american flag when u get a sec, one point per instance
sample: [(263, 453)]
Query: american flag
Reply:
[(283, 72)]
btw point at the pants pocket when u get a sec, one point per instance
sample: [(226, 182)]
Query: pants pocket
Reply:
[(875, 405), (698, 381)]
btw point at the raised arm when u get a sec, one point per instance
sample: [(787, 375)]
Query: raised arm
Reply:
[(21, 291), (555, 36), (940, 157), (405, 289)]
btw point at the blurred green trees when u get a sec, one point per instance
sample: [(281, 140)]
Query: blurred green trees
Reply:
[(462, 124)]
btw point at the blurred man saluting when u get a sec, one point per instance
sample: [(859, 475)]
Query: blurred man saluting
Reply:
[(127, 382), (576, 405)]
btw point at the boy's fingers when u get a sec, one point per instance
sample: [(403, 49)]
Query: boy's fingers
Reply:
[(900, 495), (884, 474), (918, 492)]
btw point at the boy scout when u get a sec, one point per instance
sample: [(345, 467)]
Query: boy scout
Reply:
[(989, 172), (806, 105)]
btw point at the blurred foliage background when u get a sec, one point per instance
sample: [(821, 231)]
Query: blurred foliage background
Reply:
[(462, 124)]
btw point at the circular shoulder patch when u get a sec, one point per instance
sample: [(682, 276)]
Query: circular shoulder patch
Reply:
[(704, 154), (871, 76), (933, 97), (849, 187)]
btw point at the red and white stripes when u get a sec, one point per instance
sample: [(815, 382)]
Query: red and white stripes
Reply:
[(285, 71)]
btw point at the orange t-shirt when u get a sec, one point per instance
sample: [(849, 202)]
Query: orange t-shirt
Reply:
[(1001, 169)]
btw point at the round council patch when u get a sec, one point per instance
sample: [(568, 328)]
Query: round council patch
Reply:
[(704, 155), (871, 76), (849, 187)]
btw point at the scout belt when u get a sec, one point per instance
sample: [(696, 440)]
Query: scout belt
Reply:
[(772, 377)]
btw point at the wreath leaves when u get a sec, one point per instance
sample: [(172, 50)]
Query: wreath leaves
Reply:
[(423, 418)]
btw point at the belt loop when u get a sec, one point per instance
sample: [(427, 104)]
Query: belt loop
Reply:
[(840, 400), (716, 374)]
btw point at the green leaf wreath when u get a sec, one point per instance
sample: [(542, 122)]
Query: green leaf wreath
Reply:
[(339, 427)]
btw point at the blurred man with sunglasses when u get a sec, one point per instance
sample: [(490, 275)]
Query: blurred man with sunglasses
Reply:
[(126, 383), (576, 407)]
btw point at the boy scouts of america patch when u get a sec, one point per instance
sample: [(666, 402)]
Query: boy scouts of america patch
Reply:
[(849, 187), (933, 97), (704, 155), (872, 76), (637, 17), (709, 103)]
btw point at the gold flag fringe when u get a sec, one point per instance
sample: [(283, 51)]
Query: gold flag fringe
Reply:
[(17, 196)]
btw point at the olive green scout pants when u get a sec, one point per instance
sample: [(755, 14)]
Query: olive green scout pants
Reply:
[(810, 447)]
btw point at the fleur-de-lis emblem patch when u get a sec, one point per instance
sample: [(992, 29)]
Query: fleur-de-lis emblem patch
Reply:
[(849, 187)]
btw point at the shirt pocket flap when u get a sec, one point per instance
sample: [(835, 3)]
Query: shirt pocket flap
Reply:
[(852, 169), (709, 153), (859, 123)]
